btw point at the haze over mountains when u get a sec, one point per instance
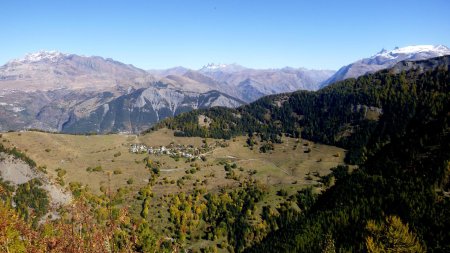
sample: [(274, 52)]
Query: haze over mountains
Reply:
[(54, 91), (245, 83), (252, 84)]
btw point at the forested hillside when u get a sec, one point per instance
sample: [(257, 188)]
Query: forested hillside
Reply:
[(406, 178)]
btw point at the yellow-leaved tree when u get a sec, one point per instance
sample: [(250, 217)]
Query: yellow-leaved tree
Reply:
[(392, 235)]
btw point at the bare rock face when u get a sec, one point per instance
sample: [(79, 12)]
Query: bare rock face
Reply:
[(139, 110), (387, 59)]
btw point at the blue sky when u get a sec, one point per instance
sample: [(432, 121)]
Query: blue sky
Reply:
[(261, 34)]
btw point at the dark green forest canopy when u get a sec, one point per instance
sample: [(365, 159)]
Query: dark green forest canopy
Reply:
[(395, 124)]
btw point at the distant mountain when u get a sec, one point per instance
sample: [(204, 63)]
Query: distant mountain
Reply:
[(244, 83), (50, 70), (251, 84), (54, 91), (226, 68), (172, 71), (386, 59)]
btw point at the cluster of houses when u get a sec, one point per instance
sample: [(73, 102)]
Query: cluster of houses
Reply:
[(171, 150)]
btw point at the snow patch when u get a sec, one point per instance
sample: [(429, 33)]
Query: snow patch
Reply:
[(18, 109), (105, 109), (213, 66), (52, 56)]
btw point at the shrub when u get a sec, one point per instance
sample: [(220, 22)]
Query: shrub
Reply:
[(282, 193), (60, 172), (97, 169)]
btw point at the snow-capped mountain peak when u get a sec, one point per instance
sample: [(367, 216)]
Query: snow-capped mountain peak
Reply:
[(386, 59), (436, 50), (42, 55), (212, 67)]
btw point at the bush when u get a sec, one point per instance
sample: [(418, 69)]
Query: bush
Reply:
[(61, 172), (266, 147), (282, 193), (155, 170), (97, 169), (42, 169)]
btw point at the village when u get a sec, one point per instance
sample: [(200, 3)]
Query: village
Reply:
[(170, 150)]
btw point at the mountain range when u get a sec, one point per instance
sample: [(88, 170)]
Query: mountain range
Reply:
[(251, 84), (70, 93), (54, 91)]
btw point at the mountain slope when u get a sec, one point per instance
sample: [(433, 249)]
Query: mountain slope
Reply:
[(139, 110), (386, 59)]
